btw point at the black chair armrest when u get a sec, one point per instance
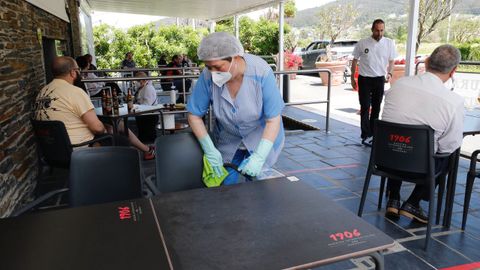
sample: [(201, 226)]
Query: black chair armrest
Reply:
[(105, 137), (38, 201)]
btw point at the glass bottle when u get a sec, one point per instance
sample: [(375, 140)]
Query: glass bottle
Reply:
[(129, 100), (104, 102), (116, 106), (108, 103)]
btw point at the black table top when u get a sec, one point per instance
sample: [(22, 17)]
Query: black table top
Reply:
[(94, 237), (270, 224)]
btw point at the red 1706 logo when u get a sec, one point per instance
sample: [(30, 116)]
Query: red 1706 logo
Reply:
[(345, 235), (400, 138), (124, 212)]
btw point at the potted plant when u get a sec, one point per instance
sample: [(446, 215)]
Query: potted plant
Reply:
[(399, 68), (291, 62), (336, 67)]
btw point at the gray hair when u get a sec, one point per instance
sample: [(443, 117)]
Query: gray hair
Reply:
[(443, 59), (62, 65)]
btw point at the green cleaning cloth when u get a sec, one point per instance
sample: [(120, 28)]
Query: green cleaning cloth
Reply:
[(208, 175)]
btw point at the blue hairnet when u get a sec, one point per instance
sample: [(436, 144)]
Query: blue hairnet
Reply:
[(219, 45)]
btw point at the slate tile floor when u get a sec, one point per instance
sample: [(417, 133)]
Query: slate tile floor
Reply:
[(335, 163)]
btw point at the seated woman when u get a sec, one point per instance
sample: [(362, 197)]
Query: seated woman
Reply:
[(146, 124), (94, 89)]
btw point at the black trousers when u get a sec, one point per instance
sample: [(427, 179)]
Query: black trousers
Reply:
[(370, 93), (119, 140), (147, 127), (420, 192), (179, 86)]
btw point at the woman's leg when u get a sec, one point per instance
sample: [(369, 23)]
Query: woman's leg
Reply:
[(133, 139)]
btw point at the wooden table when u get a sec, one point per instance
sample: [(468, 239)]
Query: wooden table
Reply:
[(271, 224)]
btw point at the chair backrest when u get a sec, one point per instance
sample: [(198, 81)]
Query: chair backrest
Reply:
[(104, 174), (403, 148), (179, 162), (53, 142)]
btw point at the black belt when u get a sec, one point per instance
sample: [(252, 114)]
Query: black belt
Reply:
[(379, 77)]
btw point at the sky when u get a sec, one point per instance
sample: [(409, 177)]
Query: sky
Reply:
[(128, 20)]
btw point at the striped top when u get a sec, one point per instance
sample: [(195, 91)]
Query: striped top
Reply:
[(241, 120)]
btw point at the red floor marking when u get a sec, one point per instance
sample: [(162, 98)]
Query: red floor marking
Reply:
[(323, 169), (470, 266)]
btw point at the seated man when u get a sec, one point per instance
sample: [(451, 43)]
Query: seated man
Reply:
[(177, 62), (424, 100), (61, 100)]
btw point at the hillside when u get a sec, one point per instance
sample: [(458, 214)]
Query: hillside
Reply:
[(372, 9)]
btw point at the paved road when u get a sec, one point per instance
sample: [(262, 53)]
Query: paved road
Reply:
[(344, 101)]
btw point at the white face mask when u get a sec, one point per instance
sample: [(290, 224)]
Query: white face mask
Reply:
[(222, 77)]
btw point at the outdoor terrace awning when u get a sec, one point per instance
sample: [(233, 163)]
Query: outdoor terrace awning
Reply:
[(198, 9)]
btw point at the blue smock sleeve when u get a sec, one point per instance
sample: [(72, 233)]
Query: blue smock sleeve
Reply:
[(199, 101), (272, 100)]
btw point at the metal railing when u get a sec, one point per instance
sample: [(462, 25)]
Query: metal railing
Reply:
[(286, 90), (132, 70), (153, 78)]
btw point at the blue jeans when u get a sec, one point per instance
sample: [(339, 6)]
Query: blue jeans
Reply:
[(233, 175)]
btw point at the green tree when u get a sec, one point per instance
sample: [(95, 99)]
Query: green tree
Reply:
[(431, 13), (335, 19), (290, 9), (465, 29), (257, 37)]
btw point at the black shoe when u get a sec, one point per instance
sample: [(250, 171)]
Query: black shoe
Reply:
[(392, 208), (415, 213), (367, 141)]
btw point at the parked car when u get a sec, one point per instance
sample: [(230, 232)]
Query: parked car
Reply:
[(341, 48)]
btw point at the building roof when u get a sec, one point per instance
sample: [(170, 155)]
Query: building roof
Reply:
[(198, 9)]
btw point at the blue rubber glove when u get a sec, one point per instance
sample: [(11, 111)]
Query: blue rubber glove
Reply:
[(212, 154), (254, 163)]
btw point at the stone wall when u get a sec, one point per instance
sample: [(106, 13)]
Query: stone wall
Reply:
[(22, 75)]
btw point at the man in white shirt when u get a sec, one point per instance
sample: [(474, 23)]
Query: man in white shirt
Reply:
[(424, 100), (374, 54)]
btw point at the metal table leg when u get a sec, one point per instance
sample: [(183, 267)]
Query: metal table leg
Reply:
[(451, 183), (378, 259)]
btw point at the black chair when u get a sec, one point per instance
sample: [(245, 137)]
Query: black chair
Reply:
[(179, 163), (99, 175), (472, 173), (54, 144), (403, 152)]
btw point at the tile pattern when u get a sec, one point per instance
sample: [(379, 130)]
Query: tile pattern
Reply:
[(335, 164)]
